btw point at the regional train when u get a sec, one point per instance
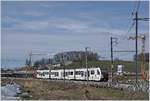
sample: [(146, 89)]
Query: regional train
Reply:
[(91, 74)]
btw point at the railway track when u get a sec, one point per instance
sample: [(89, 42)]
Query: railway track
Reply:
[(130, 87)]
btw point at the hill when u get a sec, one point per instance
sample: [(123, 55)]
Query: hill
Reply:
[(128, 65)]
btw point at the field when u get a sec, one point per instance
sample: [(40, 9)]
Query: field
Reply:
[(44, 90)]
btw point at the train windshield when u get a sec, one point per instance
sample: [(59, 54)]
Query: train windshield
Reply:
[(98, 73)]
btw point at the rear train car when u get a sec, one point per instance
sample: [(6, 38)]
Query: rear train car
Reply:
[(42, 74)]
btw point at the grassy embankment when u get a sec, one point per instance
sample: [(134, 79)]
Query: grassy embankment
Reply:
[(45, 90), (128, 65)]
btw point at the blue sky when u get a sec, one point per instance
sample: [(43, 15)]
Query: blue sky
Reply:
[(51, 27)]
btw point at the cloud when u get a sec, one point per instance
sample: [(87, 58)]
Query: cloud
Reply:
[(18, 24), (35, 14), (62, 25), (47, 18)]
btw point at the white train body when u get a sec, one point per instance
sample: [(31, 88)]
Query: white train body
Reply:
[(94, 74)]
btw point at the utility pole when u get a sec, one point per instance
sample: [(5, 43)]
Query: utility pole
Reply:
[(30, 59), (112, 63), (143, 58), (113, 41), (50, 68), (136, 44), (63, 64), (30, 63), (86, 64), (136, 41), (142, 37)]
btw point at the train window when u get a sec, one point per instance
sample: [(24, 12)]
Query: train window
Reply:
[(98, 72), (66, 73), (62, 74), (46, 73), (82, 73), (42, 74), (92, 72), (54, 73), (71, 73), (77, 73)]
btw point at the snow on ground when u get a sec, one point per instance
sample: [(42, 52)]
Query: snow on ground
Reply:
[(10, 91)]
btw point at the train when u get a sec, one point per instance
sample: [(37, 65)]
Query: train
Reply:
[(91, 74)]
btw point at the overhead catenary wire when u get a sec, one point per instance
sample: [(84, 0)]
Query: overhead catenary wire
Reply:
[(138, 6), (131, 25)]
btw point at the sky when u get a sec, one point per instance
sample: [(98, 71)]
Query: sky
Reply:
[(51, 27)]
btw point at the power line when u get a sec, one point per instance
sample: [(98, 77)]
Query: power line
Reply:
[(138, 6), (135, 9), (133, 12), (130, 28), (134, 6)]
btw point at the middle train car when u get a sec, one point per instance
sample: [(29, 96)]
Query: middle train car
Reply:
[(93, 74)]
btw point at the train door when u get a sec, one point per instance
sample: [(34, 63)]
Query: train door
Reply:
[(62, 75), (86, 75), (74, 74), (50, 74), (92, 75)]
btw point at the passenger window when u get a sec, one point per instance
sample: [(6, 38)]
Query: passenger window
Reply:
[(46, 73), (82, 73), (76, 73), (98, 73), (71, 73), (92, 72), (56, 74), (66, 73)]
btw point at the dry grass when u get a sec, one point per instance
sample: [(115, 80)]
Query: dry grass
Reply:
[(45, 90)]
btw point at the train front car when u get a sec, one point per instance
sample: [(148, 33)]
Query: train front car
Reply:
[(94, 74)]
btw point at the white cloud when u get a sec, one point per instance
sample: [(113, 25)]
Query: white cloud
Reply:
[(35, 14), (67, 24), (85, 23)]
